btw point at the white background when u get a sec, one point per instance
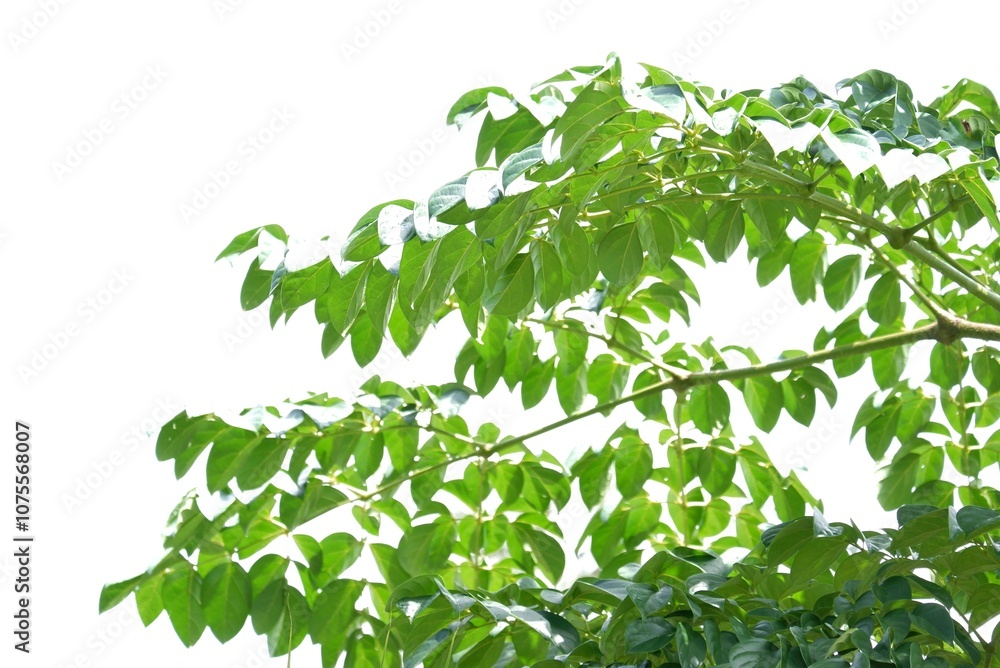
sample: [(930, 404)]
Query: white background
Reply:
[(367, 126)]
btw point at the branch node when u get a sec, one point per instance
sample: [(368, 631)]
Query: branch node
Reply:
[(947, 330), (897, 237)]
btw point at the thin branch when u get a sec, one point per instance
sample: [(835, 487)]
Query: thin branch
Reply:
[(934, 308), (897, 236), (679, 448), (610, 343), (816, 181), (945, 331), (929, 220), (931, 242)]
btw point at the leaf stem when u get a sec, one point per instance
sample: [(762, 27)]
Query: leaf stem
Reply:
[(897, 237), (679, 449)]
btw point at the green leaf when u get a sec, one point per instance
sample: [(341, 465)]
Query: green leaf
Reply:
[(548, 274), (148, 599), (184, 432), (592, 107), (841, 281), (725, 230), (536, 382), (571, 385), (770, 217), (181, 593), (366, 341), (815, 558), (606, 378), (265, 571), (345, 296), (512, 290), (379, 291), (292, 623), (333, 613), (403, 334), (331, 340), (948, 364), (519, 163), (934, 619), (900, 478), (225, 597), (771, 264), (716, 468), (806, 266), (708, 406), (989, 412), (519, 353), (764, 399), (227, 456), (656, 232), (245, 241), (884, 301), (975, 183), (754, 653), (340, 551), (857, 149), (303, 286), (619, 255), (426, 548), (633, 466), (363, 243), (256, 286), (447, 197), (975, 520), (471, 103), (113, 594), (401, 442), (545, 550), (507, 136), (644, 636), (262, 463)]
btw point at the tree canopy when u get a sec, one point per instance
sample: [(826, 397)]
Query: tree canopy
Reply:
[(572, 254)]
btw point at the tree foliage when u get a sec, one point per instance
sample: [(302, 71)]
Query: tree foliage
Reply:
[(572, 254)]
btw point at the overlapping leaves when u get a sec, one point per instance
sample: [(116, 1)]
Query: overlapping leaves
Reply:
[(572, 253)]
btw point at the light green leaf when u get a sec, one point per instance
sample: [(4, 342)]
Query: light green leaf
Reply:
[(548, 274), (181, 593), (225, 597), (425, 548), (841, 281), (806, 266), (303, 286), (725, 230), (333, 612), (764, 399), (513, 288), (656, 232), (884, 300), (619, 255)]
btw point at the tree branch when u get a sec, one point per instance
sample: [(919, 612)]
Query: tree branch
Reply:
[(897, 236), (933, 306), (945, 331)]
